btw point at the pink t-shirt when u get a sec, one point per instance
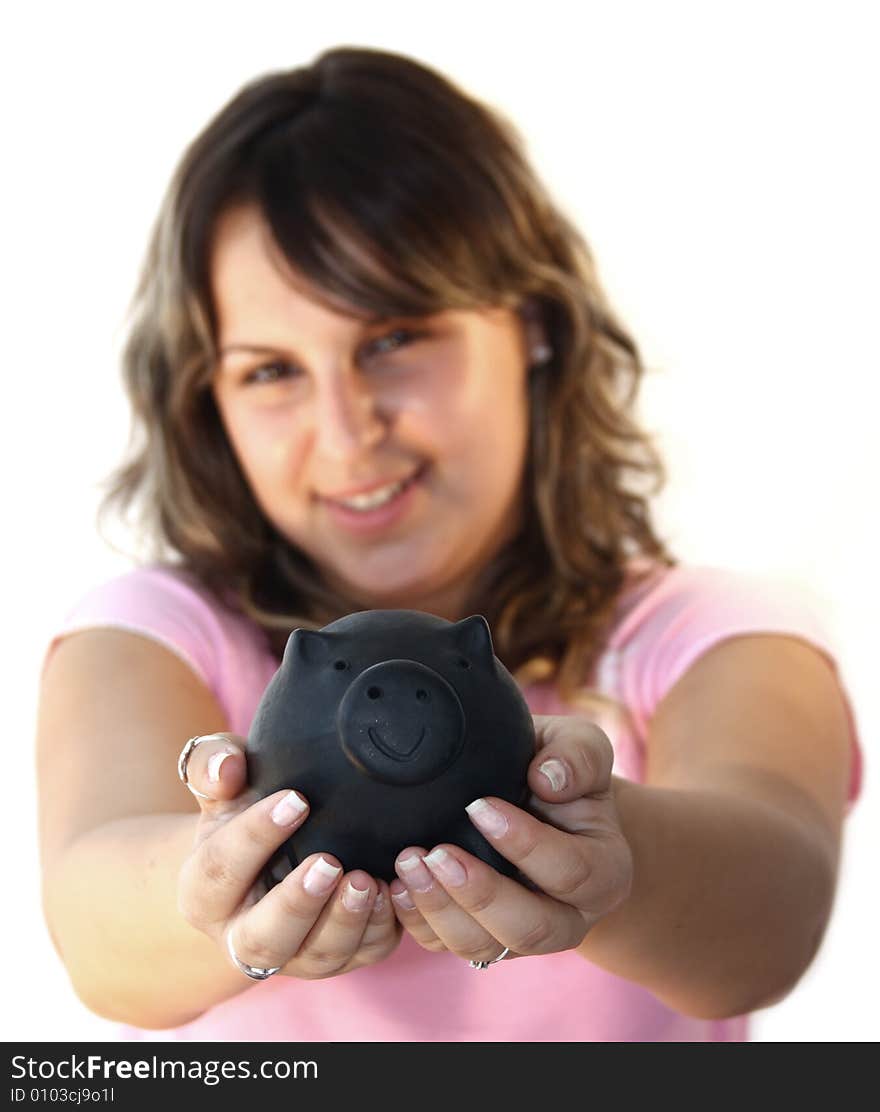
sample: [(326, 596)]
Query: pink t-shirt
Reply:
[(661, 628)]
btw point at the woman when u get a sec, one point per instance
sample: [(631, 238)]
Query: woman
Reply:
[(374, 368)]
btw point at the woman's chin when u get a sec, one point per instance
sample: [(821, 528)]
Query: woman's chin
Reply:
[(381, 592), (393, 592)]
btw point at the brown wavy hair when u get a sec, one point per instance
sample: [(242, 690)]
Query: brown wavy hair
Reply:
[(394, 193)]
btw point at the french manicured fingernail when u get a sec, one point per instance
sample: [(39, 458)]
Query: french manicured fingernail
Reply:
[(555, 772), (214, 763), (414, 874), (487, 818), (445, 867), (355, 898), (288, 810), (321, 877), (402, 898)]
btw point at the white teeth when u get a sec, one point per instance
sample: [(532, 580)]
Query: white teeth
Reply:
[(374, 498)]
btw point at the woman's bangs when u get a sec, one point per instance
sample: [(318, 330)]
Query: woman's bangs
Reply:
[(373, 245)]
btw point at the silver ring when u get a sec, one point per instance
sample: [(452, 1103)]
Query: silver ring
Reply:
[(184, 757), (252, 971), (486, 964)]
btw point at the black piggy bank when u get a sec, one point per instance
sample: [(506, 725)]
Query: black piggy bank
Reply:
[(390, 722)]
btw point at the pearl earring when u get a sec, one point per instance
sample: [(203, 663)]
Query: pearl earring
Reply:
[(541, 353)]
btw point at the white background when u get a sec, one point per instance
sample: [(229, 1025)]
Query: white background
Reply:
[(721, 160)]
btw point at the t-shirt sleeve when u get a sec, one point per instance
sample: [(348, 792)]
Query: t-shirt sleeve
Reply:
[(694, 608), (166, 606)]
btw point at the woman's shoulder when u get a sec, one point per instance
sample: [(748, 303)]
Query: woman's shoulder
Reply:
[(170, 605), (677, 615), (669, 615), (660, 599), (155, 590)]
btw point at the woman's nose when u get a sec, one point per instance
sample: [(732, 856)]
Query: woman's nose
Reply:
[(346, 419)]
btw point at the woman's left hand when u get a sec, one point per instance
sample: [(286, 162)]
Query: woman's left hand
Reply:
[(578, 858)]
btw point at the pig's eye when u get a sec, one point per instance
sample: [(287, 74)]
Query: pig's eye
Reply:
[(462, 663), (340, 665)]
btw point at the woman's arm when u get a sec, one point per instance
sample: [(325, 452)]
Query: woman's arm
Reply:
[(110, 900), (141, 896), (711, 885), (735, 834), (116, 825)]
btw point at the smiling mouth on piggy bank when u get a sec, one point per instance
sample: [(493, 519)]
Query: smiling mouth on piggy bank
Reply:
[(395, 752)]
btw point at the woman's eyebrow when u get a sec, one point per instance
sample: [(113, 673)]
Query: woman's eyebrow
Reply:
[(258, 349), (266, 349), (368, 322)]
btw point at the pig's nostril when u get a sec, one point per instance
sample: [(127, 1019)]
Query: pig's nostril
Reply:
[(421, 695), (374, 692)]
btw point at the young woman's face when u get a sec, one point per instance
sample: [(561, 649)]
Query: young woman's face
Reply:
[(318, 406)]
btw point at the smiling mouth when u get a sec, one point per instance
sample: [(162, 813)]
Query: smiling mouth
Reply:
[(394, 754), (398, 485)]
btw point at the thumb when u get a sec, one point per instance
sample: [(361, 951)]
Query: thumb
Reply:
[(214, 768), (573, 758)]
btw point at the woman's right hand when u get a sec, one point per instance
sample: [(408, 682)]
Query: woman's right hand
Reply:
[(317, 922)]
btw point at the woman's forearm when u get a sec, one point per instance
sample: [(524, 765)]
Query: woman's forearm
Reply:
[(729, 903), (110, 902)]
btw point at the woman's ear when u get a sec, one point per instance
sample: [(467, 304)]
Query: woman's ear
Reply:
[(537, 341)]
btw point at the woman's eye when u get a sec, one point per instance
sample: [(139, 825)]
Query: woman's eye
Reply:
[(279, 370), (274, 372), (392, 341)]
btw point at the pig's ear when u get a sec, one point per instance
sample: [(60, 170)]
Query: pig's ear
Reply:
[(307, 645), (473, 638)]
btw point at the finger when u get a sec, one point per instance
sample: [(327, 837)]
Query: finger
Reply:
[(411, 919), (354, 927), (381, 935), (216, 771), (217, 876), (574, 757), (502, 912), (438, 918), (588, 815), (382, 911), (583, 872), (313, 915)]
